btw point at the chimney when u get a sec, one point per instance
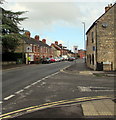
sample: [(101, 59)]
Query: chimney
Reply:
[(27, 33), (108, 7), (37, 37), (44, 41), (52, 44), (56, 42)]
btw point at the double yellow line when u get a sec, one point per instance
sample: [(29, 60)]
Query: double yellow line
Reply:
[(47, 105)]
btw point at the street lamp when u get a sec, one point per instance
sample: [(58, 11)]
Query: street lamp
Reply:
[(84, 39), (23, 47)]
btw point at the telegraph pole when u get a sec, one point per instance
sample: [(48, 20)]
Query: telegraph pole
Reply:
[(84, 40)]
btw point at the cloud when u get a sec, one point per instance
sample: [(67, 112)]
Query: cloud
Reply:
[(61, 0), (17, 7), (44, 16)]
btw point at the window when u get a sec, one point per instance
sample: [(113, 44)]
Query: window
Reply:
[(93, 48), (92, 35), (90, 58), (93, 59)]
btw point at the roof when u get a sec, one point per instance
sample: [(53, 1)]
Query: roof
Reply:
[(61, 46), (56, 46), (33, 41), (99, 18)]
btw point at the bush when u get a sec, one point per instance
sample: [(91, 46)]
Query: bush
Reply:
[(12, 56)]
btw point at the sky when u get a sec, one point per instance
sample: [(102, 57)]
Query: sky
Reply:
[(59, 20)]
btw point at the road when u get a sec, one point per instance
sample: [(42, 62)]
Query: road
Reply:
[(31, 87), (16, 79)]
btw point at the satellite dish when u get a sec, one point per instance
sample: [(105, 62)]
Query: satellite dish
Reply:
[(104, 25)]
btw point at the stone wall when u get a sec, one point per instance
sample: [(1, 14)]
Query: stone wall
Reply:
[(105, 38), (104, 41), (90, 50)]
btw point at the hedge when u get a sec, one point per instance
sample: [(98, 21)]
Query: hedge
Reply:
[(11, 56)]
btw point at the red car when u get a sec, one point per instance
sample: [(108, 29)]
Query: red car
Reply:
[(52, 60)]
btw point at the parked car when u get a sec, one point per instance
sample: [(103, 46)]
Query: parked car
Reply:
[(52, 60), (56, 59), (61, 58), (65, 57), (46, 60), (71, 58)]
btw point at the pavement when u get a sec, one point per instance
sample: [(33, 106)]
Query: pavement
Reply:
[(81, 68), (85, 108)]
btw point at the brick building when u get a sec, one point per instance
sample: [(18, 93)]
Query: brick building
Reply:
[(81, 53), (60, 50), (101, 41), (34, 48)]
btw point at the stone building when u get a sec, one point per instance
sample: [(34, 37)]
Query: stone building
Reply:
[(101, 41), (57, 49)]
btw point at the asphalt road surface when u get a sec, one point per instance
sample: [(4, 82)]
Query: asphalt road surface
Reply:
[(16, 79), (44, 83)]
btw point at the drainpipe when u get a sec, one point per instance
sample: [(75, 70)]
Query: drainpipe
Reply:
[(96, 46)]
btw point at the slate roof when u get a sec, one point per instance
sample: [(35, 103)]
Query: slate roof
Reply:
[(35, 42), (56, 46)]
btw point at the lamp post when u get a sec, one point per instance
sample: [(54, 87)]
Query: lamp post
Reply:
[(84, 40), (23, 47)]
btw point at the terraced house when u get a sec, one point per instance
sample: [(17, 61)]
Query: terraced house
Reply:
[(34, 48), (101, 41)]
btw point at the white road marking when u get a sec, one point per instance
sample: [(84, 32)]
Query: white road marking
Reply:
[(19, 91), (7, 98), (46, 77), (54, 73), (89, 89), (95, 87), (27, 87), (34, 83), (1, 102), (39, 81), (43, 79), (84, 89)]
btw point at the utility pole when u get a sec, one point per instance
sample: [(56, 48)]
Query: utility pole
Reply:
[(84, 40)]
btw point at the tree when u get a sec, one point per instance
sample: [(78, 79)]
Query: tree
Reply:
[(1, 1), (10, 29)]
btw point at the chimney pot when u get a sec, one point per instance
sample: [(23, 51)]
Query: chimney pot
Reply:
[(37, 37), (108, 7), (27, 33), (44, 41), (56, 42)]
